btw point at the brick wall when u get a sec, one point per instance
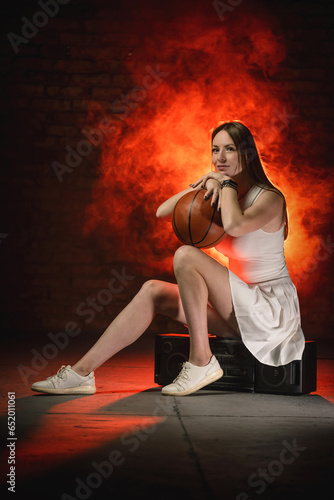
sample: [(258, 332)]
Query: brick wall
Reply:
[(76, 57)]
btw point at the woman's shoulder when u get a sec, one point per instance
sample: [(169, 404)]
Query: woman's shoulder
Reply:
[(271, 192), (269, 187), (263, 195)]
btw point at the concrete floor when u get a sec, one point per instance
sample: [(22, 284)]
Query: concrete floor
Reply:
[(129, 440)]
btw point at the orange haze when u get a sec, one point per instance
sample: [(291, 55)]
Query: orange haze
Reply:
[(210, 71)]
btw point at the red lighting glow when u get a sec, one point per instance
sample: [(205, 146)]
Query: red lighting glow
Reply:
[(85, 432), (210, 71)]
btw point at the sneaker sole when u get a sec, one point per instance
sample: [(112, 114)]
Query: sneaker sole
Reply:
[(206, 381), (69, 390)]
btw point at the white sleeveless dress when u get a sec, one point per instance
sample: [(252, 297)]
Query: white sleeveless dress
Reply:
[(264, 298)]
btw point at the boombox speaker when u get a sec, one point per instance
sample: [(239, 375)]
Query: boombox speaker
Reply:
[(298, 377), (238, 364), (242, 372)]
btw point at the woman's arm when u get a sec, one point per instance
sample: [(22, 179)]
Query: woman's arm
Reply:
[(166, 208), (266, 213)]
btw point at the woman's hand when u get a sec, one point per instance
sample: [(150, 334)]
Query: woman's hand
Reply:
[(212, 183), (213, 190)]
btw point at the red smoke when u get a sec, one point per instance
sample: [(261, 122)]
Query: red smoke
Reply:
[(210, 71)]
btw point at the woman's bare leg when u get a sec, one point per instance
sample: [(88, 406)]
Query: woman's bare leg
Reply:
[(202, 279), (127, 327), (162, 297)]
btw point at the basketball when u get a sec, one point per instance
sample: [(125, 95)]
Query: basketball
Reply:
[(196, 222)]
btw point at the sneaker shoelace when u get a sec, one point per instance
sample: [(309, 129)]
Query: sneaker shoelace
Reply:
[(182, 376), (59, 375)]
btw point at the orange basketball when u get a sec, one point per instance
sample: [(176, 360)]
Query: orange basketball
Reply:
[(196, 222)]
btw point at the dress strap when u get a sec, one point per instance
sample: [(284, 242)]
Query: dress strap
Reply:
[(250, 198), (257, 194)]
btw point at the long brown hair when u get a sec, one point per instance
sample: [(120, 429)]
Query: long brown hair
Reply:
[(250, 159)]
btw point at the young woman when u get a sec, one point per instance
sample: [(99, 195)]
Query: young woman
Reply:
[(254, 299)]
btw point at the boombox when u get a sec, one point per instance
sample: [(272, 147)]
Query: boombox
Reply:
[(242, 371)]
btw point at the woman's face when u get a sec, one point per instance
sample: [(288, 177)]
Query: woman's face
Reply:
[(225, 156)]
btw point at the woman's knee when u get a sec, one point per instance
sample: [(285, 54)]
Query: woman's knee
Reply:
[(185, 256), (160, 294), (151, 288)]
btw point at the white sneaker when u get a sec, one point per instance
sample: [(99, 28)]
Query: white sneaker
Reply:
[(192, 377), (66, 381)]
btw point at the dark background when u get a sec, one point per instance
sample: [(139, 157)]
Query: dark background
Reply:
[(49, 266)]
